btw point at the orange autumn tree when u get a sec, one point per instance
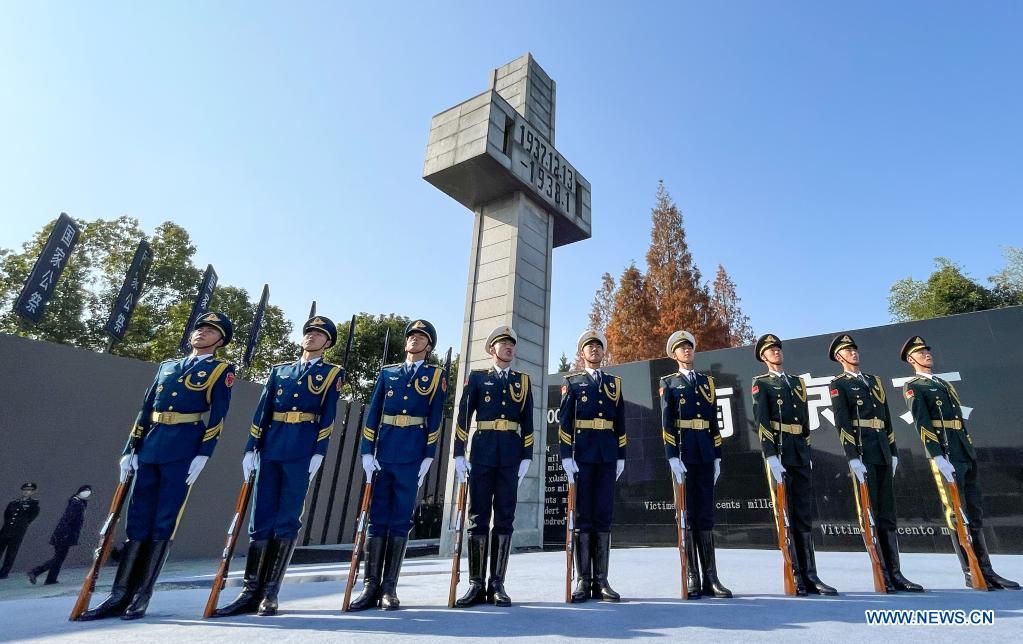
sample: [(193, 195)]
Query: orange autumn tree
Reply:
[(646, 308)]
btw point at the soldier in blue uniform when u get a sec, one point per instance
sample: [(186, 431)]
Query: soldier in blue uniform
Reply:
[(938, 416), (399, 442), (18, 514), (168, 448), (502, 449), (592, 444), (692, 445), (782, 422), (287, 442), (865, 430)]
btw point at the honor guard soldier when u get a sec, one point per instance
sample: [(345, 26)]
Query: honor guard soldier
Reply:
[(17, 515), (782, 420), (593, 439), (866, 433), (399, 441), (287, 442), (168, 448), (502, 449), (692, 445), (938, 416)]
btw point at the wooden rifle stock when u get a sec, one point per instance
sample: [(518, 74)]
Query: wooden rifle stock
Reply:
[(869, 533), (456, 556), (357, 545), (106, 542), (681, 522), (965, 540), (569, 541), (781, 516), (233, 530)]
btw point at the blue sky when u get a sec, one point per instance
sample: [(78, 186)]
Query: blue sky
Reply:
[(819, 151)]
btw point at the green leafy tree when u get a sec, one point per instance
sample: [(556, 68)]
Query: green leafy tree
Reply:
[(564, 366), (1008, 283), (947, 291)]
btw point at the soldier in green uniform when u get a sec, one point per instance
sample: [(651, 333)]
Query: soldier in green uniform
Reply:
[(938, 416), (782, 420), (866, 433)]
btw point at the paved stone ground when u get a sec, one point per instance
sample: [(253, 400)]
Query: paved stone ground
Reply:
[(647, 579)]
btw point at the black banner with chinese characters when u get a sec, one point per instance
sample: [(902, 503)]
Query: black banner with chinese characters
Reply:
[(200, 306), (48, 268), (257, 325), (131, 289), (978, 352)]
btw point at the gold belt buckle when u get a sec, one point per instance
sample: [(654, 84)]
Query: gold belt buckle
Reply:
[(293, 417), (401, 420), (168, 417)]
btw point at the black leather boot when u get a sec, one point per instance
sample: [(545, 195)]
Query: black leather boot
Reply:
[(601, 561), (583, 567), (373, 554), (964, 562), (276, 569), (499, 551), (797, 567), (255, 569), (808, 566), (125, 582), (993, 579), (157, 556), (477, 593), (392, 568), (890, 547), (708, 564), (693, 584)]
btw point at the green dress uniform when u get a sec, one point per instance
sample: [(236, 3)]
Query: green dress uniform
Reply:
[(782, 419), (865, 430), (938, 417)]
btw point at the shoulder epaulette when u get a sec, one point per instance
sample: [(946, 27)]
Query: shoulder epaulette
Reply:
[(669, 376), (479, 370), (572, 374), (839, 376), (763, 375), (396, 364), (281, 364)]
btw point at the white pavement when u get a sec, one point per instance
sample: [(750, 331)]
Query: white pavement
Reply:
[(646, 578)]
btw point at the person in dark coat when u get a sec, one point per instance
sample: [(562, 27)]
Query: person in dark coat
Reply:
[(19, 513), (64, 536)]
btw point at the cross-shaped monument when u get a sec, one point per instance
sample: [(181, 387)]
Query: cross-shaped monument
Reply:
[(495, 155)]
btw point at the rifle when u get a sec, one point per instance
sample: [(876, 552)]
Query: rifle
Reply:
[(781, 515), (866, 518), (362, 524), (456, 557), (106, 542), (569, 542), (233, 530), (961, 521), (682, 523)]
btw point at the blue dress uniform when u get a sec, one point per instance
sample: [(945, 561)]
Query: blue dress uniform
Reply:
[(592, 432), (168, 434), (938, 415), (403, 425), (503, 408), (18, 514)]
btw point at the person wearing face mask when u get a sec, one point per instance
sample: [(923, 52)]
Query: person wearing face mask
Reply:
[(938, 416), (865, 430), (64, 536), (692, 445), (592, 441), (287, 442), (399, 442), (18, 514), (502, 449), (168, 448)]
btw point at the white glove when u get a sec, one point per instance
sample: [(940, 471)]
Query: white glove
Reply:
[(619, 468), (677, 468), (523, 468), (195, 468), (895, 464), (462, 468), (369, 465), (128, 463), (947, 469), (314, 465), (717, 470), (857, 467), (424, 467), (571, 469), (777, 469), (250, 462)]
